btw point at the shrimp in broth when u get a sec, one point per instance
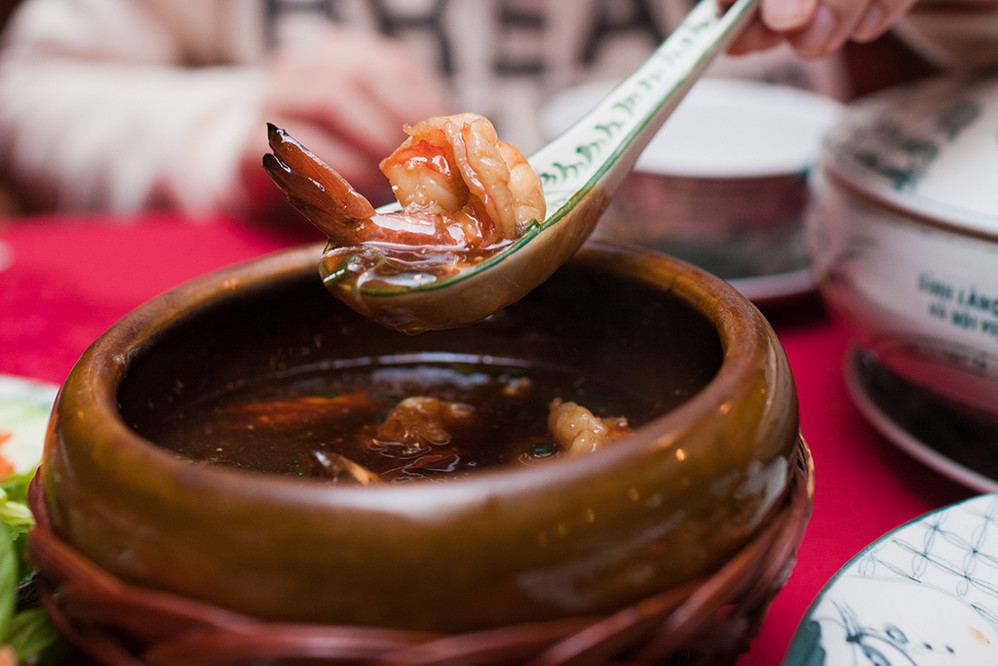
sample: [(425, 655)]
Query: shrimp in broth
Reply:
[(464, 195)]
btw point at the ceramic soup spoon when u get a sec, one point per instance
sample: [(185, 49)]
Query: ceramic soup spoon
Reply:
[(579, 172)]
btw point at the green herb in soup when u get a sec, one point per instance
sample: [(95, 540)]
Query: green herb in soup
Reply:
[(392, 423)]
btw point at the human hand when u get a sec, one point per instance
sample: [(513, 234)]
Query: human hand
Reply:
[(345, 97), (818, 28)]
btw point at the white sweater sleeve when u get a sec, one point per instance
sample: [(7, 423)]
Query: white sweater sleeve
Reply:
[(101, 107)]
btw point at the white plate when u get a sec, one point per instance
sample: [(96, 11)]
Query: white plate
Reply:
[(946, 438), (25, 405), (769, 289), (725, 136), (724, 128), (923, 594)]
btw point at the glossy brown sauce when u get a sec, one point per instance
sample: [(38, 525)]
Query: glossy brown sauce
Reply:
[(293, 425)]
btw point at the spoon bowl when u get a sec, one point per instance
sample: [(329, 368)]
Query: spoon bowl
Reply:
[(580, 170)]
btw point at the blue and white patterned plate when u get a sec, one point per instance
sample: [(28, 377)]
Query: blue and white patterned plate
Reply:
[(924, 594)]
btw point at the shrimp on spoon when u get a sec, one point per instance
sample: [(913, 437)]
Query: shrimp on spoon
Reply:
[(463, 195), (477, 225)]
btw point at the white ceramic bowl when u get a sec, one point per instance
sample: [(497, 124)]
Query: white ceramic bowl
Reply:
[(904, 233), (724, 183)]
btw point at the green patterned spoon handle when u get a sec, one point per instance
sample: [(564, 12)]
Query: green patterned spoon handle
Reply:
[(602, 147)]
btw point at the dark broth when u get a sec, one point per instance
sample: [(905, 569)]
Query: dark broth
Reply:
[(291, 424)]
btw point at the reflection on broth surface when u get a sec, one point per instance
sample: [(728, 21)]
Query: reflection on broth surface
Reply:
[(395, 420)]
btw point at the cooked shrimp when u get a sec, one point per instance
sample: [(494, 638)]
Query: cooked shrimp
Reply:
[(459, 186), (420, 422), (456, 165), (577, 430)]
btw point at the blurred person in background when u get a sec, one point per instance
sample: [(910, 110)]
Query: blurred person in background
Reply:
[(124, 105)]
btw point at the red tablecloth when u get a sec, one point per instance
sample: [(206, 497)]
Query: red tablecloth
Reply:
[(67, 280)]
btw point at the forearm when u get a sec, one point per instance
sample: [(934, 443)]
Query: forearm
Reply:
[(100, 106), (86, 135)]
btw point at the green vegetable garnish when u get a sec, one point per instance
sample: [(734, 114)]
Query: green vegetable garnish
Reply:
[(543, 449), (28, 631)]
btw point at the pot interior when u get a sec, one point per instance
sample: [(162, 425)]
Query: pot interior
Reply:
[(618, 345)]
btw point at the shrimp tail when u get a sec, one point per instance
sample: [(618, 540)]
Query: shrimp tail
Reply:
[(314, 188)]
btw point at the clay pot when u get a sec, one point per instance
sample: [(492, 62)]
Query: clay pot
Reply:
[(574, 535)]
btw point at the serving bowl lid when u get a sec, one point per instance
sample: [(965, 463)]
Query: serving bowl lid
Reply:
[(929, 148)]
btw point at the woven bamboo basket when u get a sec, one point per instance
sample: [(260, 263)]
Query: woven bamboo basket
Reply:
[(706, 621)]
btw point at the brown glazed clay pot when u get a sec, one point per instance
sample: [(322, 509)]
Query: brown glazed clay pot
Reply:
[(574, 535)]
